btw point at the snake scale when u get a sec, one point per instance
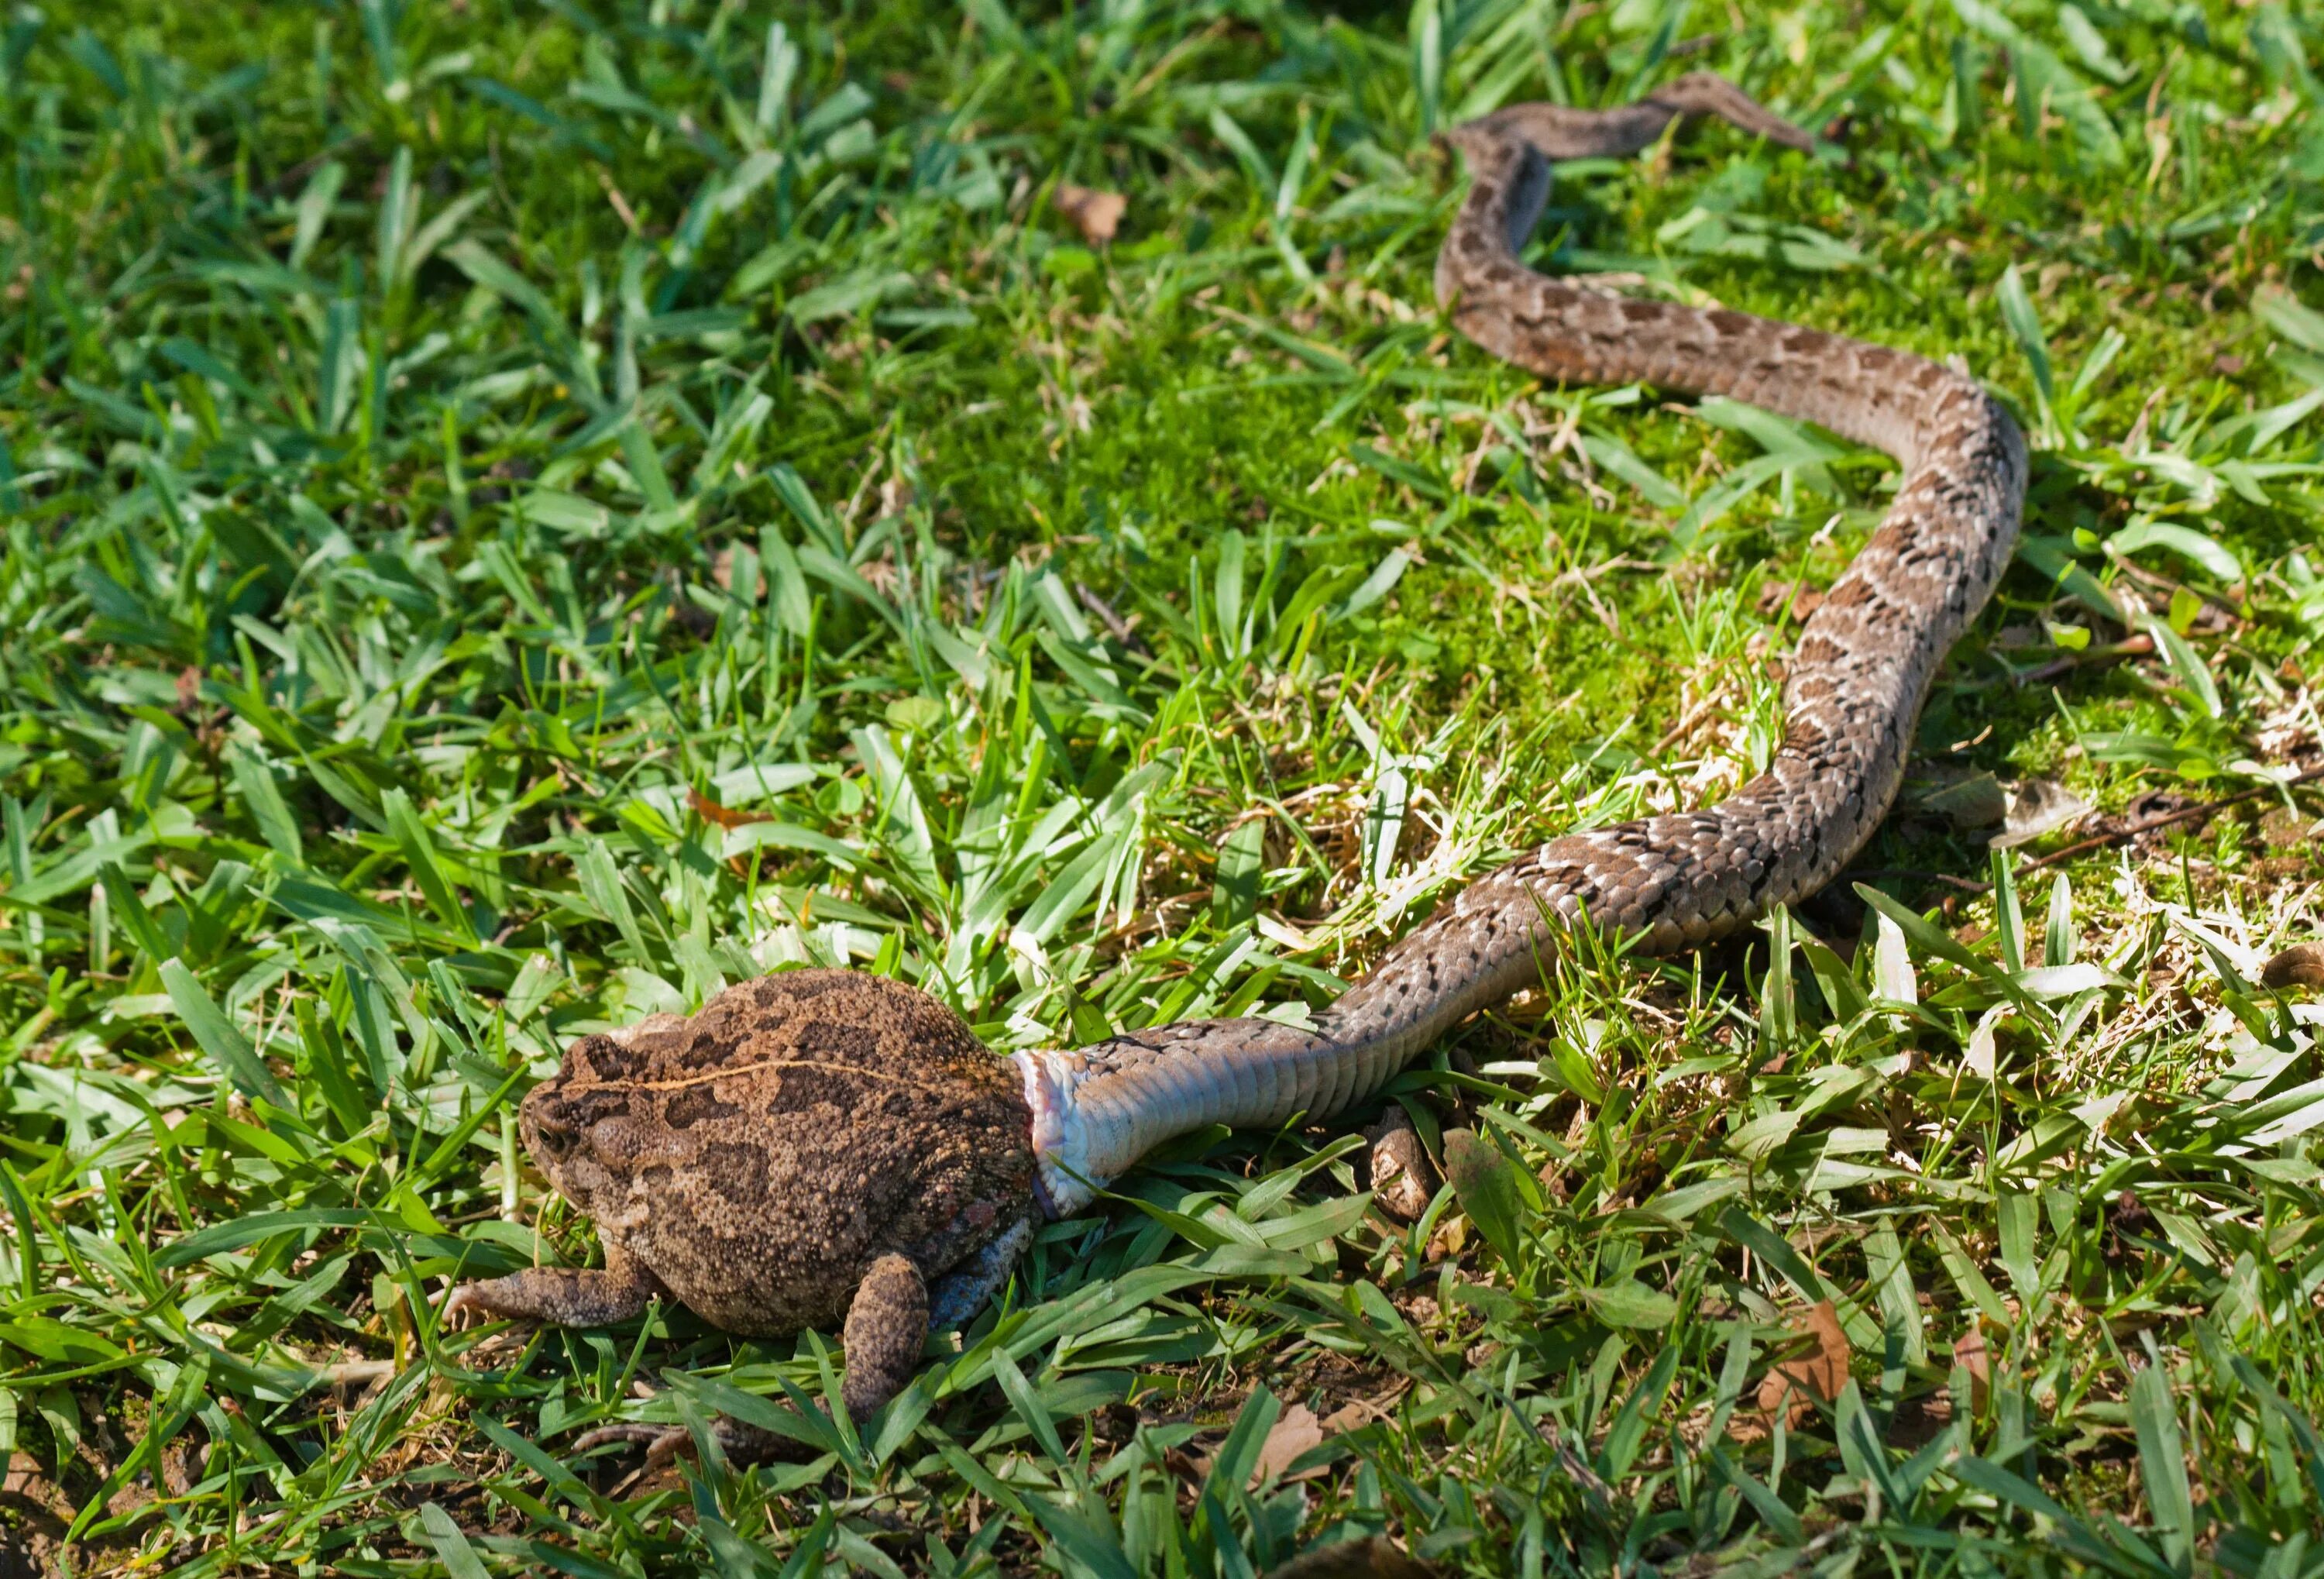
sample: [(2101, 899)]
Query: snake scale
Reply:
[(1852, 695)]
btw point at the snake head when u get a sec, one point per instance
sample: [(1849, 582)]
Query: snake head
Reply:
[(1475, 140)]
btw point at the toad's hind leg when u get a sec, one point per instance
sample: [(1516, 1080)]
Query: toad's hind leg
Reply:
[(964, 1290), (887, 1325), (562, 1296)]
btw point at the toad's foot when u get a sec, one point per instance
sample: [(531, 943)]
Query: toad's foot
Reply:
[(887, 1325), (743, 1445), (559, 1295)]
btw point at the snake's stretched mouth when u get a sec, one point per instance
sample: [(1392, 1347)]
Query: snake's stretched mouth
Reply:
[(1060, 1161)]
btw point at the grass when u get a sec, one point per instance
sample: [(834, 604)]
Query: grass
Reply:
[(517, 517)]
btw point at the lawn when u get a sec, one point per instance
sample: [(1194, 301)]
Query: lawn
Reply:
[(519, 516)]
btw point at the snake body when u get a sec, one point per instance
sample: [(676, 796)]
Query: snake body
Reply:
[(1852, 696)]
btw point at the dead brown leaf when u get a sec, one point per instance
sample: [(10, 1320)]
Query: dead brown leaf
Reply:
[(1795, 598), (1403, 1181), (1096, 214), (722, 571), (1971, 1355), (1295, 1431), (2299, 965), (1818, 1374)]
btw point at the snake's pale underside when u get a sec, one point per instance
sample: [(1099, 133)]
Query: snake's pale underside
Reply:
[(1852, 696)]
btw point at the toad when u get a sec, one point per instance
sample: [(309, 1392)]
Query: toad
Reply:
[(811, 1146)]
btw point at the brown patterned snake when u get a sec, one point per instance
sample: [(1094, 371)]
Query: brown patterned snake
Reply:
[(822, 1143), (1852, 696)]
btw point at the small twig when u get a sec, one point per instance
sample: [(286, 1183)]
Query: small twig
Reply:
[(2146, 577), (2184, 814), (297, 173), (2095, 841), (621, 204), (2139, 646), (1121, 629), (1915, 874)]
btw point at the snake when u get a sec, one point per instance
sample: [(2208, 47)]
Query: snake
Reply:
[(901, 1183), (1853, 690)]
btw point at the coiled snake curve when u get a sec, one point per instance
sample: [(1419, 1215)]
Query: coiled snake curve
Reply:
[(1852, 696)]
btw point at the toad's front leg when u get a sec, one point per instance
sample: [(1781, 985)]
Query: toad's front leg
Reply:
[(563, 1296)]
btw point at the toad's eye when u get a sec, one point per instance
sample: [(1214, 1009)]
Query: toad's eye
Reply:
[(554, 1133)]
